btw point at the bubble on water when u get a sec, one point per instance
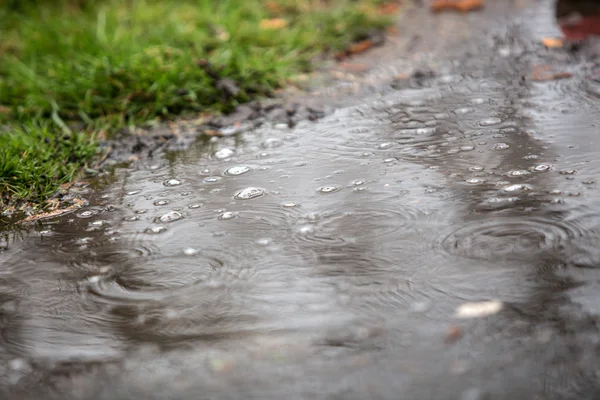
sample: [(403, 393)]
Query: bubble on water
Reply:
[(541, 168), (338, 172), (476, 168), (479, 100), (386, 145), (141, 211), (366, 154), (227, 215), (359, 189), (86, 214), (475, 181), (516, 188), (205, 171), (171, 216), (172, 182), (301, 164), (490, 121), (195, 205), (156, 230), (271, 143), (249, 193), (190, 251), (161, 202), (358, 182), (99, 223), (131, 218), (568, 172), (389, 160), (499, 136), (467, 148), (501, 146), (328, 189), (464, 110), (531, 157), (237, 170), (211, 179), (517, 173), (289, 204), (224, 154), (132, 192)]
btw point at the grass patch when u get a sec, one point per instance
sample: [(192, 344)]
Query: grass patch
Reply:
[(107, 63)]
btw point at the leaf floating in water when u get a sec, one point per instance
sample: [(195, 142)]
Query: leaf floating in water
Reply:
[(456, 5), (479, 309)]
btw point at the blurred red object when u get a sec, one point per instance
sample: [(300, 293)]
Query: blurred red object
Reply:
[(578, 19)]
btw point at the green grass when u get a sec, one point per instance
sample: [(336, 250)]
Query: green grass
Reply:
[(92, 65)]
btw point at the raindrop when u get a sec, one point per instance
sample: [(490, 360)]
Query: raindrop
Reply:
[(490, 121), (358, 182), (227, 215), (161, 202), (171, 216), (568, 172), (517, 173), (271, 143), (237, 170), (211, 179), (328, 189), (172, 182), (501, 146), (86, 214), (541, 168), (467, 148), (190, 251), (464, 110), (516, 188), (475, 181), (476, 168), (156, 230), (195, 205), (385, 146), (249, 193), (224, 154)]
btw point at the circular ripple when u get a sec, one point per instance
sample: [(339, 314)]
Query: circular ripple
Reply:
[(154, 279), (513, 236), (339, 228)]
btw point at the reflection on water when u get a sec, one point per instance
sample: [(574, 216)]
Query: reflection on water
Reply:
[(327, 261)]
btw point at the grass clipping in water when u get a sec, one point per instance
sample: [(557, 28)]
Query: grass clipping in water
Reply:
[(88, 66)]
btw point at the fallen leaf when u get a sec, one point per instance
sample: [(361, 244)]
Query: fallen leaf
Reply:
[(454, 333), (552, 43), (480, 309), (273, 24), (542, 73), (456, 5)]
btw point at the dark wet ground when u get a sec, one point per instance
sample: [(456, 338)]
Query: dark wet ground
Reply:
[(331, 261)]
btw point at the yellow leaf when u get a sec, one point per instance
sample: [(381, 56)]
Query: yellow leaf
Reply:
[(273, 23), (552, 43)]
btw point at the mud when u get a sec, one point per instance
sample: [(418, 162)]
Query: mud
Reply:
[(433, 237)]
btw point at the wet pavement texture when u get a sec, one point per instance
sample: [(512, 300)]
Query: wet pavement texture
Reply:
[(334, 260)]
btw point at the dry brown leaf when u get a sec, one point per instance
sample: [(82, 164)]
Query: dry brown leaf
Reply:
[(212, 132), (456, 5), (273, 24), (552, 43), (77, 204)]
